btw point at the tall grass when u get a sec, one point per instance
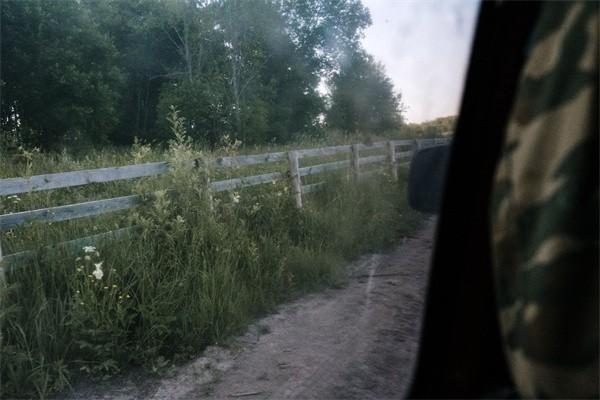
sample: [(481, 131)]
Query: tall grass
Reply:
[(202, 267)]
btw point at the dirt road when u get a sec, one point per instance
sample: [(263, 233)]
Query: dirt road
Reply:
[(358, 342)]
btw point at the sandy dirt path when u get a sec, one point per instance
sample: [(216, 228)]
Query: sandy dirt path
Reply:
[(357, 342)]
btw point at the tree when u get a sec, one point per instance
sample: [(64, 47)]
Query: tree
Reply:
[(198, 80), (253, 83), (106, 71), (60, 78), (326, 31), (363, 98), (146, 56)]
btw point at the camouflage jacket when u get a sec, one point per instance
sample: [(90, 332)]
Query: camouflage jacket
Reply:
[(545, 210)]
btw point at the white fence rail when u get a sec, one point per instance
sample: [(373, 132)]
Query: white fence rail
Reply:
[(12, 186)]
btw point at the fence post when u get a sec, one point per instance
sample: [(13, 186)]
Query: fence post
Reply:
[(295, 175), (392, 159), (355, 161), (416, 146)]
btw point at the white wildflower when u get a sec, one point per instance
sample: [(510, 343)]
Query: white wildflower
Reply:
[(89, 249), (87, 258), (180, 219), (15, 199), (235, 197), (98, 273)]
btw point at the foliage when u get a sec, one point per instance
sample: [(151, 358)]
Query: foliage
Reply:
[(433, 128), (60, 79), (249, 69), (363, 98), (326, 31), (146, 56), (201, 267)]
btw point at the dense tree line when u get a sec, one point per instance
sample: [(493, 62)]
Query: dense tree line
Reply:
[(95, 72), (362, 89)]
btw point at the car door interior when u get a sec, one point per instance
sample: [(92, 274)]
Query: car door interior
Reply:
[(460, 353)]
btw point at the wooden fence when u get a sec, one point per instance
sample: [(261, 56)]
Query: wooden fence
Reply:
[(396, 151)]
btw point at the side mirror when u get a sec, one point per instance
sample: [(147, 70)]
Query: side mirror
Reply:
[(426, 178)]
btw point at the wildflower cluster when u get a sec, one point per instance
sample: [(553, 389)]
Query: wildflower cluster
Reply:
[(94, 277), (14, 199), (100, 309), (230, 146), (10, 204)]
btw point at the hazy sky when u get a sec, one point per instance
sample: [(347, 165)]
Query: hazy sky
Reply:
[(424, 46)]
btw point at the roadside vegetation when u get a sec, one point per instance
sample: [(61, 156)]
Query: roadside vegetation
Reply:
[(90, 84), (201, 267), (443, 126)]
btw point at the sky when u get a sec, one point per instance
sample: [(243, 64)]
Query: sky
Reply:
[(424, 46)]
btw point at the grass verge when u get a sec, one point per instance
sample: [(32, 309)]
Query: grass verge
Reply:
[(200, 270)]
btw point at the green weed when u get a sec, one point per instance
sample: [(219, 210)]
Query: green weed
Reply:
[(202, 267)]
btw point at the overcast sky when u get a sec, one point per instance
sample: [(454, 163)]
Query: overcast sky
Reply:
[(424, 46)]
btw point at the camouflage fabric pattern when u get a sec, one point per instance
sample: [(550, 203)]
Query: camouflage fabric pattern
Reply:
[(545, 210)]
